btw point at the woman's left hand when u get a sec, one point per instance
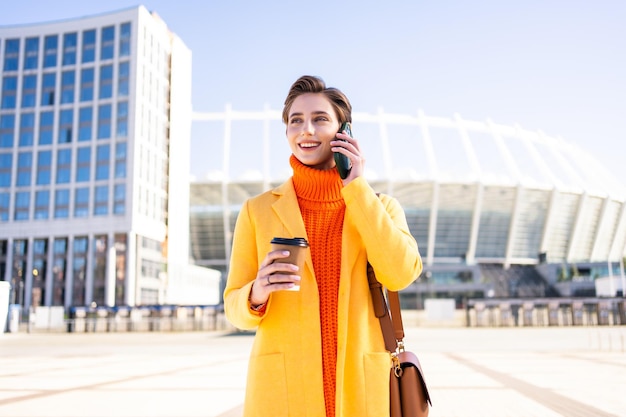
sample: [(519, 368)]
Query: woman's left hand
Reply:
[(349, 147)]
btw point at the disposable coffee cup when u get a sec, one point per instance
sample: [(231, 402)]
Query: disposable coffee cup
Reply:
[(297, 248)]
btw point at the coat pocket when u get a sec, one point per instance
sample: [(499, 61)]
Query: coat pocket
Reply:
[(266, 390), (376, 366)]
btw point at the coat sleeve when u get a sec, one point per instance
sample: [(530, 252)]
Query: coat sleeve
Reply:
[(380, 220), (244, 264)]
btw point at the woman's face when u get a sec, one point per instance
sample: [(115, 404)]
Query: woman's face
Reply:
[(311, 125)]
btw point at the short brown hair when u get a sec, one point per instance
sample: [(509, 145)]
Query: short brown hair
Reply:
[(313, 84)]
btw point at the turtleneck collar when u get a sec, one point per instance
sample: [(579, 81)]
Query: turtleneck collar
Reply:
[(315, 184)]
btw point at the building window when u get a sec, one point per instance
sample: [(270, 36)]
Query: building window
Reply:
[(69, 48), (102, 162), (27, 129), (85, 116), (101, 206), (67, 87), (120, 267), (83, 164), (22, 203), (40, 264), (86, 84), (89, 46), (81, 202), (18, 273), (9, 92), (48, 83), (122, 119), (104, 121), (11, 54), (46, 126), (64, 165), (81, 245), (31, 56), (119, 199), (42, 202), (6, 164), (108, 43), (7, 130), (123, 79), (5, 201), (51, 45), (61, 203), (99, 270), (59, 271), (120, 160), (125, 39), (66, 123), (24, 168), (29, 91), (106, 81), (44, 167)]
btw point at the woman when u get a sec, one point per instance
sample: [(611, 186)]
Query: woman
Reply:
[(318, 351)]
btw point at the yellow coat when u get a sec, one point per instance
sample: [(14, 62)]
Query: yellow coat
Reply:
[(285, 368)]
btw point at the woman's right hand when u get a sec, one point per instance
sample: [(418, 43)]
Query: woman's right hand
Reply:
[(273, 276)]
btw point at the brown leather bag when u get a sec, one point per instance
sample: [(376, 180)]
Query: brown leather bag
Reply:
[(408, 394)]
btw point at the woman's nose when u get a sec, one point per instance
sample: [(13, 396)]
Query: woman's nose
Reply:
[(307, 128)]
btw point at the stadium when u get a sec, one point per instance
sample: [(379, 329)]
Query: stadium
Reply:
[(96, 207), (497, 210)]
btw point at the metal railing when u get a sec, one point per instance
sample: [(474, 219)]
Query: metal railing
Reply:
[(546, 312)]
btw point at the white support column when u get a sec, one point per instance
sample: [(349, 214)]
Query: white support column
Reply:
[(539, 160), (89, 278), (623, 277), (109, 285), (28, 274), (510, 161), (573, 237), (49, 267), (132, 277), (510, 244), (226, 179), (616, 252), (470, 256), (432, 226), (468, 147), (69, 272), (267, 119), (547, 226), (428, 145), (384, 143), (602, 226)]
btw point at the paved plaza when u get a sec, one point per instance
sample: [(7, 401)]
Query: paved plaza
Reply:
[(482, 372)]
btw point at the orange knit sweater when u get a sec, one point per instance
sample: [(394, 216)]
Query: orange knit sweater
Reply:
[(323, 208)]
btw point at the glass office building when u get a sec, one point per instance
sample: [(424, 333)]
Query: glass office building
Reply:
[(496, 210), (95, 119)]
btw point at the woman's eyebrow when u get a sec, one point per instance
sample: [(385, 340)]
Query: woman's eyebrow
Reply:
[(318, 112)]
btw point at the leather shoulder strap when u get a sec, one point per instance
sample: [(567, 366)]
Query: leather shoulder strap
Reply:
[(396, 314), (381, 310)]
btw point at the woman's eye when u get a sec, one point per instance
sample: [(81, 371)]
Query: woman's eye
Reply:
[(294, 121)]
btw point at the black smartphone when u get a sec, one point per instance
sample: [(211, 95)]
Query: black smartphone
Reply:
[(343, 162)]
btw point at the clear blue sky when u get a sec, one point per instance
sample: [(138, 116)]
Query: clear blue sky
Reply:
[(558, 66)]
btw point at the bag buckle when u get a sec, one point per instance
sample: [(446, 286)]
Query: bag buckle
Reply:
[(395, 364)]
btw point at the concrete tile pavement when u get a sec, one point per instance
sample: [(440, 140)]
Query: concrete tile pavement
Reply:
[(565, 371)]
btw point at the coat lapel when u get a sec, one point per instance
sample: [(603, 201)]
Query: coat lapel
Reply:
[(288, 212)]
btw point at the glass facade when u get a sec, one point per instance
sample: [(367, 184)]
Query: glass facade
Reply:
[(79, 270), (59, 270), (67, 155), (60, 79)]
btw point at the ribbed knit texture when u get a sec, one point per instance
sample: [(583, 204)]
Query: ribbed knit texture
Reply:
[(323, 209)]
